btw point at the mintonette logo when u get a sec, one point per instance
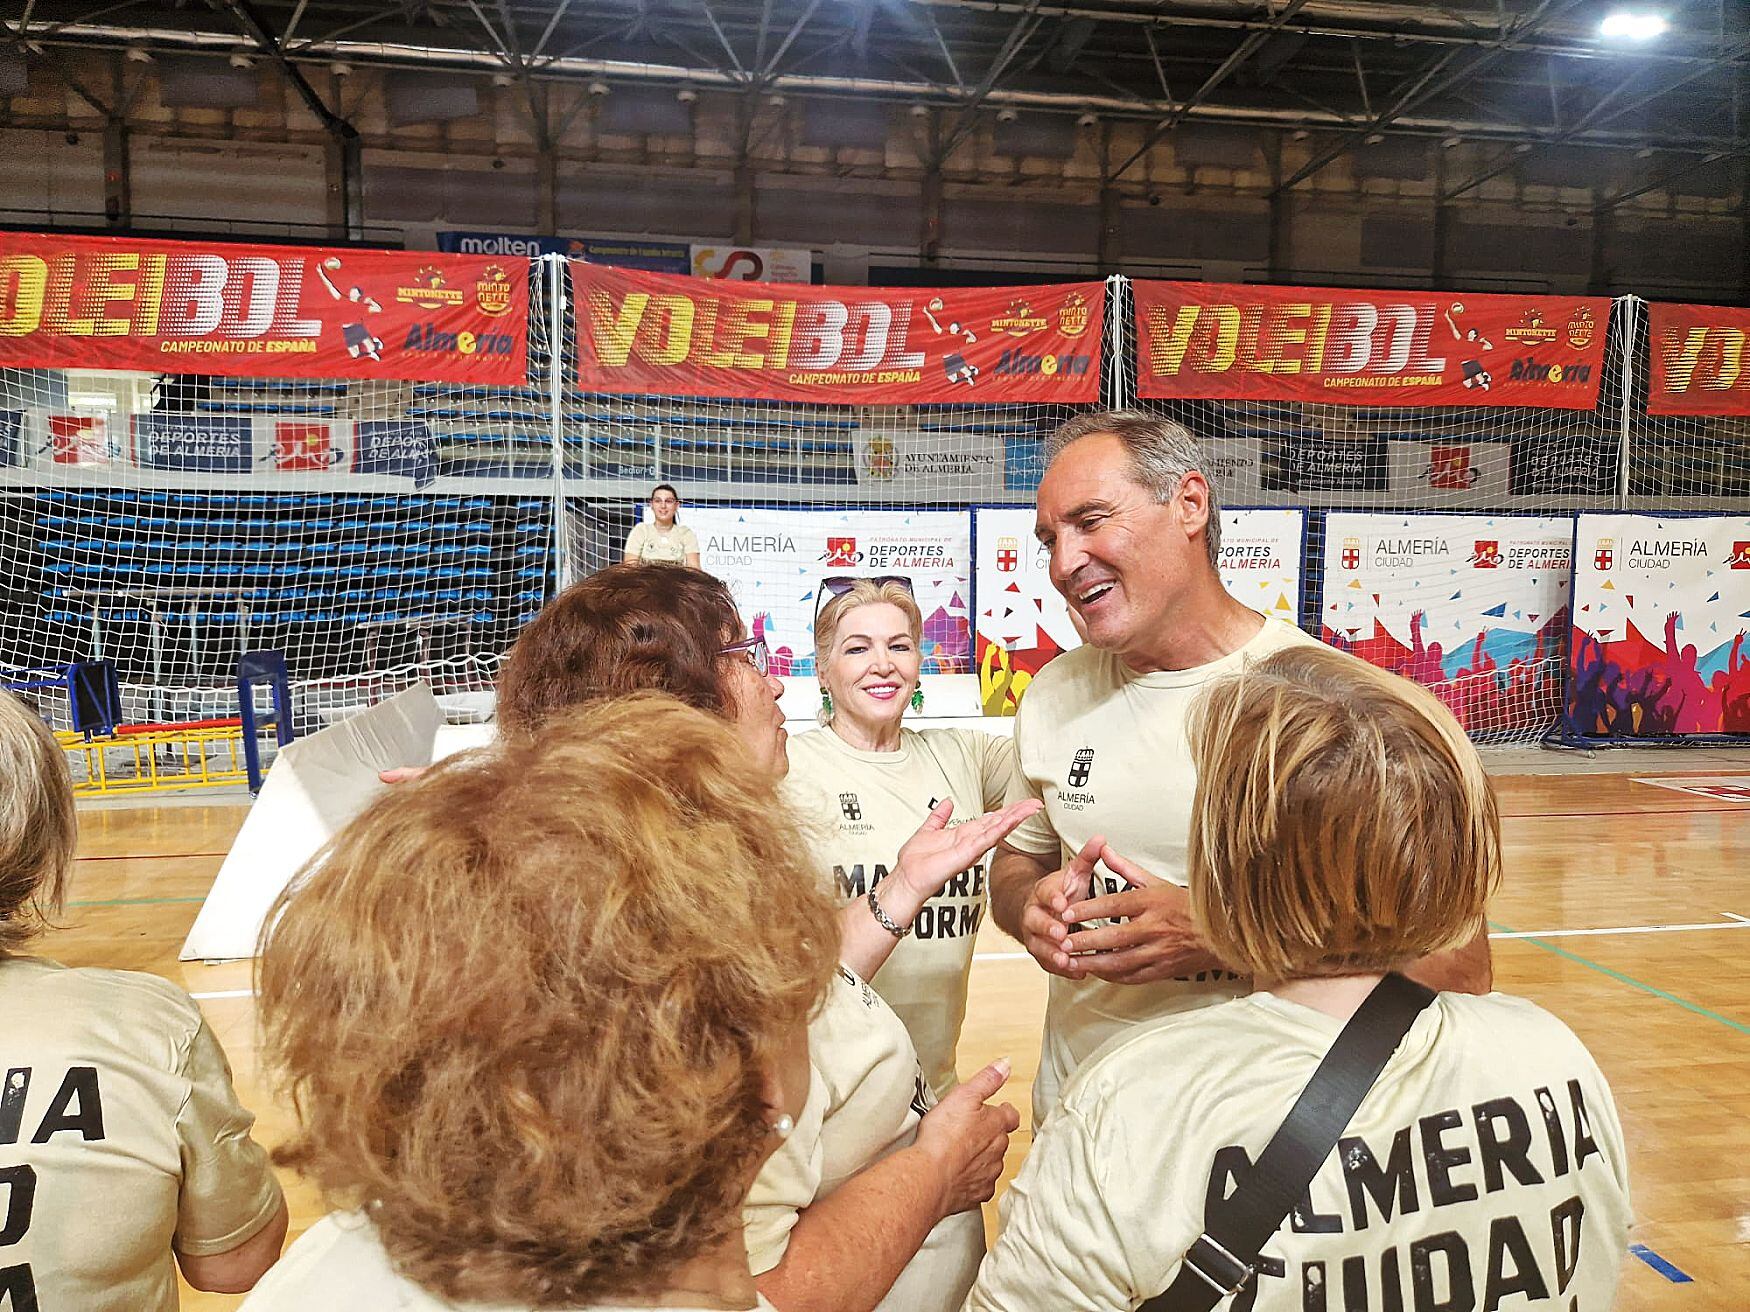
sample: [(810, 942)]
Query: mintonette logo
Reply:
[(1008, 555), (850, 806), (842, 551), (1081, 767), (1582, 328), (493, 292), (1605, 556), (1487, 555), (1351, 553), (1072, 319), (1018, 320), (1740, 557), (1531, 330), (431, 294)]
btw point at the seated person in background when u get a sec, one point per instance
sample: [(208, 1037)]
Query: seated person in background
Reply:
[(544, 1014), (123, 1139), (864, 782), (659, 540), (1342, 828)]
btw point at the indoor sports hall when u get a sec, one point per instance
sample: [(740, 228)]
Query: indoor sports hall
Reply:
[(338, 339)]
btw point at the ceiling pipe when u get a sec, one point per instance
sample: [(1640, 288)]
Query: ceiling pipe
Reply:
[(406, 56)]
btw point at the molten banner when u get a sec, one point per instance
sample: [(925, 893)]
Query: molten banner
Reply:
[(1338, 347), (284, 311), (1699, 364), (654, 333)]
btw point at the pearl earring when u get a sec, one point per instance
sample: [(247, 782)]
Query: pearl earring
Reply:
[(784, 1125)]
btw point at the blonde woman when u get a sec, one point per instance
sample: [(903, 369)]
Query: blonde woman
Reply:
[(863, 782), (1342, 828), (661, 540), (126, 1145), (604, 927)]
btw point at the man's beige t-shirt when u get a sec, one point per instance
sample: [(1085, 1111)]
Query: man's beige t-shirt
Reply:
[(865, 1100), (340, 1265), (1104, 748), (653, 546), (858, 808), (121, 1139), (1484, 1169)]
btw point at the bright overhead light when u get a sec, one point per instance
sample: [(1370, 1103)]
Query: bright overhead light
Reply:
[(1632, 25)]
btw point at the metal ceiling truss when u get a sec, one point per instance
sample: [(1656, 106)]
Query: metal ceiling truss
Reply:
[(1351, 71)]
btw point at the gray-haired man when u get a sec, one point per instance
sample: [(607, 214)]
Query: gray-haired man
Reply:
[(1134, 531)]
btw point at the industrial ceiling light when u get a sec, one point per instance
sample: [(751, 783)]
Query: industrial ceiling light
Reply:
[(1450, 142), (242, 61), (1632, 25), (1088, 120), (686, 95), (341, 70), (1007, 116), (598, 88)]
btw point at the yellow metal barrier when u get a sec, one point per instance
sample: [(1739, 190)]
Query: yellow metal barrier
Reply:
[(157, 759)]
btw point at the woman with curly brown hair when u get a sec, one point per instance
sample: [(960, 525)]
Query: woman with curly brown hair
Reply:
[(872, 1198), (544, 1016)]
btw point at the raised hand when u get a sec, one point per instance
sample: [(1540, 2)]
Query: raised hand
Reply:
[(935, 853)]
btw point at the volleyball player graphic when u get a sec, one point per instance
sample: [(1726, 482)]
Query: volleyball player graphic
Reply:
[(358, 339), (1475, 375)]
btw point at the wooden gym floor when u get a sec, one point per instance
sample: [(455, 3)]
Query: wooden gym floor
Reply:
[(1626, 911)]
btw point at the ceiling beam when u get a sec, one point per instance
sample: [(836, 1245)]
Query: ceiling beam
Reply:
[(1225, 70), (1434, 78), (1600, 113)]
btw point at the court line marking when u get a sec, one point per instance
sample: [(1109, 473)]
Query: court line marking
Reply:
[(1737, 922), (1670, 1270), (1734, 921), (1632, 982), (223, 993)]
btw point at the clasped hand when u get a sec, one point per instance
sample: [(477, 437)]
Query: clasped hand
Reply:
[(1154, 941)]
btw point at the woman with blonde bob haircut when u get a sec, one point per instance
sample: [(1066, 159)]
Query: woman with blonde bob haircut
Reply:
[(544, 1015), (864, 781), (1342, 828)]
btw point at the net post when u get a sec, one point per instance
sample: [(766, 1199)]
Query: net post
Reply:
[(1631, 320), (556, 290), (1118, 396)]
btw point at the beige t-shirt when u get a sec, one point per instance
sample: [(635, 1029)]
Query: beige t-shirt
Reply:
[(865, 1099), (339, 1265), (858, 809), (121, 1139), (1104, 748), (654, 546), (1485, 1168)]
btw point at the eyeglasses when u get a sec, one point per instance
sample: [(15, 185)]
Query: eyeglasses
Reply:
[(758, 654), (837, 585)]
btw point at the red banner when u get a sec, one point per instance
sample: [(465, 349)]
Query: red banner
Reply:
[(1699, 364), (666, 334), (1338, 347), (268, 311)]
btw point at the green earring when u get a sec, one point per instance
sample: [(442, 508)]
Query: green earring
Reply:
[(825, 702), (917, 698)]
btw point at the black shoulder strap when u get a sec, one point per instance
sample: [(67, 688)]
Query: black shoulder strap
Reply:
[(1225, 1256)]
